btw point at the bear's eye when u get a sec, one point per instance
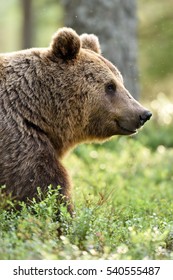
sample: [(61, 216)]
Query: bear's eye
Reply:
[(110, 88)]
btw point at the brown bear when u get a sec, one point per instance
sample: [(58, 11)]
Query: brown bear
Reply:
[(52, 99)]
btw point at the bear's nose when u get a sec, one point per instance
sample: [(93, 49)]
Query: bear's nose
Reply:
[(145, 117)]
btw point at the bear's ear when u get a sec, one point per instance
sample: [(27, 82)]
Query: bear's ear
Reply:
[(91, 42), (65, 44)]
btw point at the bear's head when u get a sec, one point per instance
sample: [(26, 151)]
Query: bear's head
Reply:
[(90, 90), (95, 87)]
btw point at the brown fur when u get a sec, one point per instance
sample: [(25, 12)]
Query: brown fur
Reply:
[(53, 99)]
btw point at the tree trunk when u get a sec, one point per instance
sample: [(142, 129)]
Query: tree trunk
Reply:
[(27, 24), (115, 23)]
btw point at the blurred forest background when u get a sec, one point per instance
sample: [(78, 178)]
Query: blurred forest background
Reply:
[(136, 35)]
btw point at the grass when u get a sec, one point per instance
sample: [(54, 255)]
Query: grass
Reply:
[(123, 203)]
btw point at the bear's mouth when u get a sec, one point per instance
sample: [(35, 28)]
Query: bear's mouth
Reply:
[(126, 130)]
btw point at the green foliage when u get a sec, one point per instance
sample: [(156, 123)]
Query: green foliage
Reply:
[(123, 205)]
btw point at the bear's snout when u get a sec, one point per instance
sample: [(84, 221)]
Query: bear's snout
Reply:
[(130, 125), (145, 116)]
